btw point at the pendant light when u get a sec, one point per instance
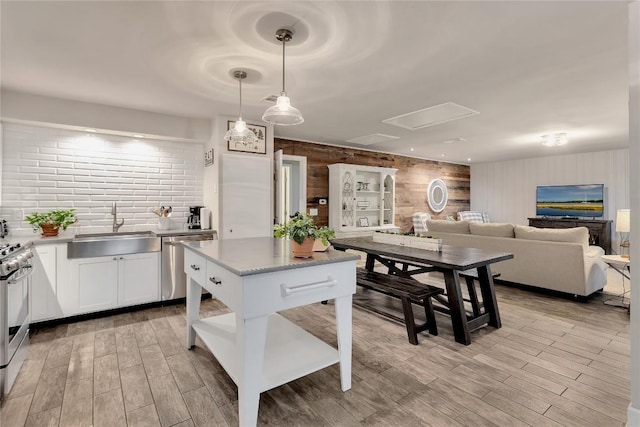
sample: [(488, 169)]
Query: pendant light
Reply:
[(240, 134), (283, 113)]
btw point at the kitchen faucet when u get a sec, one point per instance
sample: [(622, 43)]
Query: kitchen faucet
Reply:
[(116, 224)]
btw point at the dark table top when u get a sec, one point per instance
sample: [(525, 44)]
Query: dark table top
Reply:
[(451, 257)]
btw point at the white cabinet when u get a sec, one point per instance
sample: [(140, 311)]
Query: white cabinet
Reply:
[(361, 198), (44, 283), (138, 279), (102, 283)]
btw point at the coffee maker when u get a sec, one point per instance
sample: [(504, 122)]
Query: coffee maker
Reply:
[(193, 222)]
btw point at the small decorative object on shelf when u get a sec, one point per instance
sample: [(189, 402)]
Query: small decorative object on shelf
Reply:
[(303, 232), (409, 240), (51, 222)]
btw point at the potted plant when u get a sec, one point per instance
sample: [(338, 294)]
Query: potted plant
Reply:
[(303, 232), (51, 222)]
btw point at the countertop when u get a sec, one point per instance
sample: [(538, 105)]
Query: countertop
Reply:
[(68, 235), (259, 255)]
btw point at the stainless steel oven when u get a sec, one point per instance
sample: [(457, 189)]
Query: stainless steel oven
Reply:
[(15, 274)]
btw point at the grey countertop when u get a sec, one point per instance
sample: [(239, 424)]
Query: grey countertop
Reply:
[(68, 235), (260, 255)]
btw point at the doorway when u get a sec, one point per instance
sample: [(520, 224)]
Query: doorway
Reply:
[(291, 186)]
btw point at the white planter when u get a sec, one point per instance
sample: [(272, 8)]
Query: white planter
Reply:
[(426, 243)]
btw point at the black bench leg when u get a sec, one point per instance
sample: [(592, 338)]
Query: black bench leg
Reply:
[(409, 321), (430, 315), (473, 296)]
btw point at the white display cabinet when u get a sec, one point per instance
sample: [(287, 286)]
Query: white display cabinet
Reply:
[(361, 199)]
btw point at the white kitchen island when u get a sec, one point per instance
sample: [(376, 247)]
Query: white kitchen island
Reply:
[(256, 278)]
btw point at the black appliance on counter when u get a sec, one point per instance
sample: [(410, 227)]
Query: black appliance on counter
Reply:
[(193, 222)]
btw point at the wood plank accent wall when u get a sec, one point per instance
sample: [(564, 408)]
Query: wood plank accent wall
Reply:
[(412, 178)]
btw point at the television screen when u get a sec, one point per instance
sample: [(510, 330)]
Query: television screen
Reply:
[(570, 200)]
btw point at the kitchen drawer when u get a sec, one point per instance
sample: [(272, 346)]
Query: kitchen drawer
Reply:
[(223, 285), (195, 266), (281, 290)]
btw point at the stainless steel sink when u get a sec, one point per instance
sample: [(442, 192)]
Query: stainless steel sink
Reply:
[(110, 236), (108, 244)]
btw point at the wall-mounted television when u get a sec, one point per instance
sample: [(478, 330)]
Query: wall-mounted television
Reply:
[(570, 200)]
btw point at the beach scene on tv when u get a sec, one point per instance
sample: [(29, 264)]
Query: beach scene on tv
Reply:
[(570, 200)]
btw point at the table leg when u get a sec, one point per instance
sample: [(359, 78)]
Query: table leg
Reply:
[(193, 309), (456, 307), (370, 263), (251, 338), (344, 331), (489, 296)]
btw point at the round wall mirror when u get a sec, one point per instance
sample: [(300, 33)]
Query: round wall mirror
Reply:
[(437, 195)]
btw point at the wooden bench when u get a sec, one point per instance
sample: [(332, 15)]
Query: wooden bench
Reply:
[(470, 276), (408, 290)]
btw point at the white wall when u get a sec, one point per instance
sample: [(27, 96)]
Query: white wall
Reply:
[(507, 190), (45, 168), (37, 109)]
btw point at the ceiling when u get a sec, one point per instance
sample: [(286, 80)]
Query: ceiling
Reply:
[(528, 68)]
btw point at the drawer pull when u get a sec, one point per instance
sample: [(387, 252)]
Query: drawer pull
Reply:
[(286, 290), (215, 281), (195, 267)]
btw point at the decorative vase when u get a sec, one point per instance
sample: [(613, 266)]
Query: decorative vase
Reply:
[(304, 250), (49, 230)]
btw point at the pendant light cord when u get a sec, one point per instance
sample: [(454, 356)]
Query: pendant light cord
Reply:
[(240, 103), (284, 41)]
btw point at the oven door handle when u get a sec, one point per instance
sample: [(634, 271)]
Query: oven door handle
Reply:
[(27, 273)]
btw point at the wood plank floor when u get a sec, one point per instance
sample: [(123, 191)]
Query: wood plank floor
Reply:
[(555, 362)]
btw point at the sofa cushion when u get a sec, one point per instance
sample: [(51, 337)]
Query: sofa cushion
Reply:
[(458, 227), (568, 235), (491, 230)]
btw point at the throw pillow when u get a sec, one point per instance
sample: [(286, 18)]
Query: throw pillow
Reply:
[(471, 216)]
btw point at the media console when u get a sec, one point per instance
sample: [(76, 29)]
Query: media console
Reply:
[(599, 229)]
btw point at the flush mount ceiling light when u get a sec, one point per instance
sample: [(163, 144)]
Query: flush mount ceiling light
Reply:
[(240, 134), (283, 113), (554, 139)]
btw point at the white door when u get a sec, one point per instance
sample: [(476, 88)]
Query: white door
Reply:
[(43, 294), (247, 188), (279, 216), (94, 284), (138, 278)]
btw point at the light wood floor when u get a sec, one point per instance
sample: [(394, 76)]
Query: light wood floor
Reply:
[(554, 362)]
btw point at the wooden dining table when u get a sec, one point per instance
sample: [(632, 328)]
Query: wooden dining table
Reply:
[(453, 262)]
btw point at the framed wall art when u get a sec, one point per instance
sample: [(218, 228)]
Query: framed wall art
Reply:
[(259, 147)]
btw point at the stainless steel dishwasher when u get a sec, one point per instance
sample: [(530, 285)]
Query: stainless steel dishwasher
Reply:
[(174, 281)]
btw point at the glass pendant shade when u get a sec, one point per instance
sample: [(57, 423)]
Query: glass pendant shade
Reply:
[(283, 113), (239, 133)]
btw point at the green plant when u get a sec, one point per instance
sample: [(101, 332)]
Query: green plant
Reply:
[(59, 219), (301, 226)]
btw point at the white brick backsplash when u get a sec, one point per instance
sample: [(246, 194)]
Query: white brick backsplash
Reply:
[(46, 169)]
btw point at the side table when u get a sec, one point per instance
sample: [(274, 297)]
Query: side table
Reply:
[(623, 266), (619, 264)]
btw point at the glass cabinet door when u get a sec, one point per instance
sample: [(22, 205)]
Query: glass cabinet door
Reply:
[(348, 197), (388, 190)]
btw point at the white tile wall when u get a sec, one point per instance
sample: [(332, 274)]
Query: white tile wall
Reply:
[(45, 168)]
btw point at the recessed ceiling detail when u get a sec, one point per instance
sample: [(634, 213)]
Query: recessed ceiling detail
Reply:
[(431, 116), (374, 138)]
